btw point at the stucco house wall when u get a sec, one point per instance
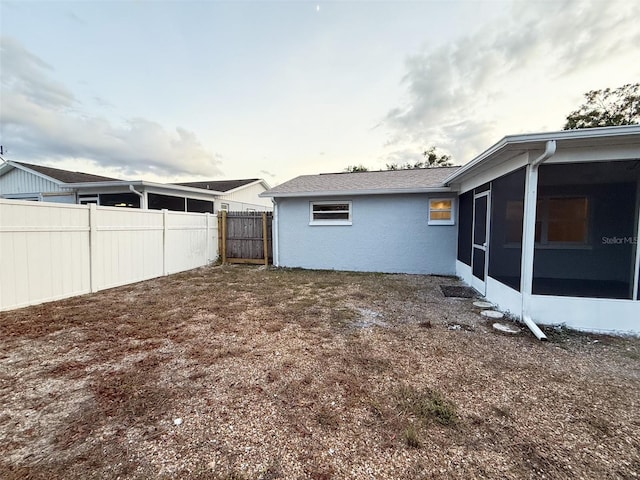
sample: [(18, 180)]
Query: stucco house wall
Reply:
[(389, 233)]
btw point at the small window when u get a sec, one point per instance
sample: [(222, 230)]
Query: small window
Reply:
[(224, 207), (441, 211), (330, 213)]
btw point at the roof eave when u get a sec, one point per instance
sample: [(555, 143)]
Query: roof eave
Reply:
[(528, 138), (142, 183)]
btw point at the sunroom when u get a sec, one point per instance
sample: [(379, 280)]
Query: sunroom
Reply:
[(548, 227)]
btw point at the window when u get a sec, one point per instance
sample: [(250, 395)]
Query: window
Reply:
[(224, 207), (86, 200), (441, 211), (199, 206), (562, 220), (330, 213), (18, 196), (559, 220)]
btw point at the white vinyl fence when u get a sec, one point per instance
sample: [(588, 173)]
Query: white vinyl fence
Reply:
[(50, 251)]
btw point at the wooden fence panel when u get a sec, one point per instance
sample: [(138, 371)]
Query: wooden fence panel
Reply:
[(246, 237)]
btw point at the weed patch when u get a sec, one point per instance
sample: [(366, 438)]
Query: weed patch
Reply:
[(425, 405)]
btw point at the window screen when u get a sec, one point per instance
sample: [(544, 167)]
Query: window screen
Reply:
[(505, 242), (465, 219), (585, 227)]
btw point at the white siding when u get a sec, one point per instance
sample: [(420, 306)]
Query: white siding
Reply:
[(247, 198), (50, 251), (18, 181)]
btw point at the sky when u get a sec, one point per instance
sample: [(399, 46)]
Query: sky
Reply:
[(192, 90)]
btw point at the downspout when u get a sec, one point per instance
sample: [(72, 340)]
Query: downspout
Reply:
[(274, 235), (143, 205), (528, 237)]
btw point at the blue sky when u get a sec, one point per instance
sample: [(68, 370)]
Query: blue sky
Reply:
[(172, 91)]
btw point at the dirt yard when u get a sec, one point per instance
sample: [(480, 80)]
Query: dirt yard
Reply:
[(243, 373)]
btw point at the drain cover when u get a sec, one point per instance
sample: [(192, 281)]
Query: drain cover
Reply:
[(506, 328), (491, 314), (480, 304)]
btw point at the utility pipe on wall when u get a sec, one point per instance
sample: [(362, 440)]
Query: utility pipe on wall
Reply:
[(528, 237), (274, 235)]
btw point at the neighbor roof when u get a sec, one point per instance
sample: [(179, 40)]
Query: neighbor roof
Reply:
[(219, 185), (64, 176), (364, 183)]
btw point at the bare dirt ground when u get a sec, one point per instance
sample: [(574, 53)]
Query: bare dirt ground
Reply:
[(241, 373)]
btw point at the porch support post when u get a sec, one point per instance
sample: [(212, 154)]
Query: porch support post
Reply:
[(636, 266), (528, 235)]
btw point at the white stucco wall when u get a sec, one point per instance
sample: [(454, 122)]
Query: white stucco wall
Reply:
[(389, 233)]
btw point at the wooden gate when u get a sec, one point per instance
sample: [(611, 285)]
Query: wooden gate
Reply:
[(245, 237)]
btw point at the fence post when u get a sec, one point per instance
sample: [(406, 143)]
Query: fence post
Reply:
[(208, 242), (265, 239), (93, 247), (224, 237), (165, 241)]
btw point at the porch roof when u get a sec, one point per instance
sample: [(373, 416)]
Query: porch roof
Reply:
[(512, 145)]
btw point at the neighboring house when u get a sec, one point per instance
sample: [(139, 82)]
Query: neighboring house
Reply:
[(26, 181), (544, 225), (390, 221), (237, 195)]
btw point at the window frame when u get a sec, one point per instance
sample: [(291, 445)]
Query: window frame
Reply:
[(451, 220), (327, 222)]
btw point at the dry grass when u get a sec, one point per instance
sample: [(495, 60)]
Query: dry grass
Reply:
[(312, 375)]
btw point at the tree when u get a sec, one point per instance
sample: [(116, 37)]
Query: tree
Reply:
[(431, 160), (356, 168), (607, 107)]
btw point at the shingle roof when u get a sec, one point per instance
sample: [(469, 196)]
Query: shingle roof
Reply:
[(65, 176), (388, 181), (219, 185)]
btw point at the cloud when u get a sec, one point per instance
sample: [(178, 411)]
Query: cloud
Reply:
[(455, 93), (268, 173), (42, 120)]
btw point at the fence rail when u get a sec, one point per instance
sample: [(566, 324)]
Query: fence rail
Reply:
[(50, 251)]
